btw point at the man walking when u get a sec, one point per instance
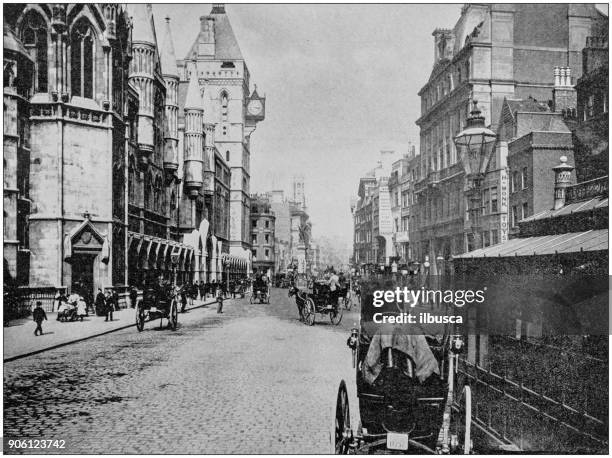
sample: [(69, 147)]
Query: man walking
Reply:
[(39, 315), (108, 310)]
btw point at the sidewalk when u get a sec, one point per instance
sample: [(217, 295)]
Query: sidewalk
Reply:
[(19, 336)]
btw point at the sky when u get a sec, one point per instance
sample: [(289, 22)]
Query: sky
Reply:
[(341, 83)]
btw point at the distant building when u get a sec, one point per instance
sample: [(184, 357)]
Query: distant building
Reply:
[(262, 234)]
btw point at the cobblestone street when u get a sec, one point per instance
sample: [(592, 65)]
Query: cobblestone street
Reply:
[(252, 380)]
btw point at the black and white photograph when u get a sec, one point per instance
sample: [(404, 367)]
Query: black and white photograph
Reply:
[(305, 228)]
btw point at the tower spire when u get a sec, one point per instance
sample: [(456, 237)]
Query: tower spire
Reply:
[(167, 55)]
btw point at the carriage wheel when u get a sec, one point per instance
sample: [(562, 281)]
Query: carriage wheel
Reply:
[(309, 312), (173, 317), (140, 317), (342, 422), (335, 315)]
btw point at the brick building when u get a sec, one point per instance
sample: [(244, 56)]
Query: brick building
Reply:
[(493, 52)]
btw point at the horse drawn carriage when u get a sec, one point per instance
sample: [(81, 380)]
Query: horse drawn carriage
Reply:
[(261, 292), (409, 398), (318, 298), (159, 303)]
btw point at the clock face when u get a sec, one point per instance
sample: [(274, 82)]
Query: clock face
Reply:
[(255, 107)]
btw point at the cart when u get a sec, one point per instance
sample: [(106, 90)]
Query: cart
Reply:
[(157, 303), (398, 411), (320, 299)]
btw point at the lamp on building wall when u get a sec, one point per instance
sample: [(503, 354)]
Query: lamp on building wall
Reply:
[(476, 143)]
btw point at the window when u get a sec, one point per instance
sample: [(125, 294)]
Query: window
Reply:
[(514, 215), (485, 201), (81, 59), (494, 237), (514, 181), (267, 253), (485, 239), (254, 239), (131, 181), (591, 105), (34, 37), (254, 254), (227, 156), (494, 207), (604, 102), (524, 178), (525, 211), (254, 223), (267, 224), (267, 237), (224, 106)]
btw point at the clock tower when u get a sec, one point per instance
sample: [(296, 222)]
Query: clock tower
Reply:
[(216, 60)]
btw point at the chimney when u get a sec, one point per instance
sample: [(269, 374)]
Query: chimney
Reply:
[(564, 94), (206, 43), (563, 179)]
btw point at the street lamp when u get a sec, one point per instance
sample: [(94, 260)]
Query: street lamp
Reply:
[(477, 142)]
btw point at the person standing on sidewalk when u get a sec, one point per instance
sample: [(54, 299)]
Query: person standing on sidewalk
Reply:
[(133, 297), (39, 315), (108, 306), (100, 303)]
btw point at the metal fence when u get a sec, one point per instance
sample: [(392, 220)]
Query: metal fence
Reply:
[(560, 406)]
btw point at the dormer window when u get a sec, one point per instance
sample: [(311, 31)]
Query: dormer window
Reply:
[(228, 65)]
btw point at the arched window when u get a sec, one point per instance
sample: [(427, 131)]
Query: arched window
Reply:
[(82, 59), (148, 190), (131, 181), (34, 38), (227, 156), (224, 104)]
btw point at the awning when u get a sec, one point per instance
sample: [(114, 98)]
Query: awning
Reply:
[(571, 242), (583, 206)]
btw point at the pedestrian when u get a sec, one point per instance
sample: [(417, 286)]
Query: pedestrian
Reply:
[(100, 303), (108, 306), (183, 299), (133, 296), (203, 291), (38, 315), (115, 296), (81, 308), (220, 303)]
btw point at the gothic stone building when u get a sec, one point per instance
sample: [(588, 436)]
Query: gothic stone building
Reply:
[(111, 168)]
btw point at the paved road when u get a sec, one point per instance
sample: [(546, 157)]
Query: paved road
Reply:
[(252, 380)]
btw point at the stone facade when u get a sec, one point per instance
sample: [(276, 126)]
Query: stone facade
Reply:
[(111, 166), (216, 61)]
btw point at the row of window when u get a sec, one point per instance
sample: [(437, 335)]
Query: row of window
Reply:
[(445, 85), (266, 224), (35, 37), (519, 180), (254, 239), (266, 254), (516, 216)]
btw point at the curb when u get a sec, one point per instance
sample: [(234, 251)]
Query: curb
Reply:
[(63, 344)]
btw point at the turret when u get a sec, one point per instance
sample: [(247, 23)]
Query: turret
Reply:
[(142, 77), (563, 179), (194, 136), (171, 77)]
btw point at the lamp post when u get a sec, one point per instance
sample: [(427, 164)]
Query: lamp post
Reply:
[(477, 142)]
